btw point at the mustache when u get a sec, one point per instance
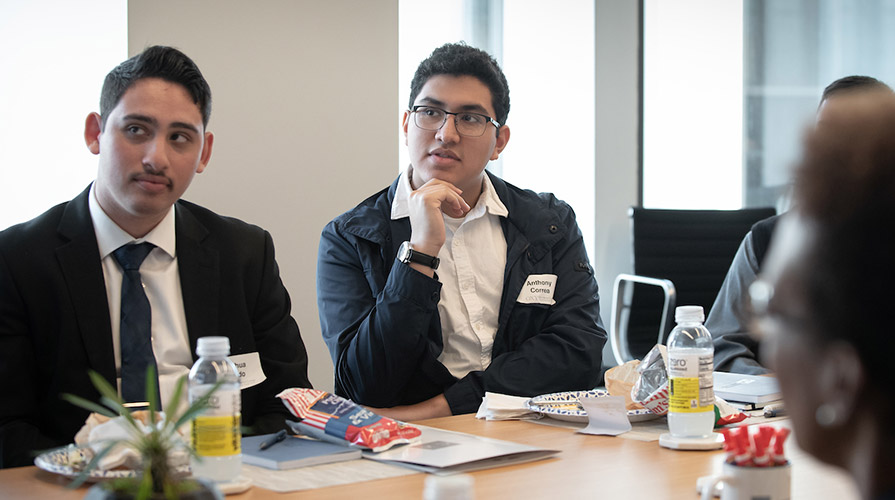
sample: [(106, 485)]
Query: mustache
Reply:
[(150, 176)]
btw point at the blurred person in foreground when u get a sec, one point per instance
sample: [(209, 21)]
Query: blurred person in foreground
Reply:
[(735, 350), (823, 302)]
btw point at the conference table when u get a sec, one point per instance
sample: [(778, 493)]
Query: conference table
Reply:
[(588, 466)]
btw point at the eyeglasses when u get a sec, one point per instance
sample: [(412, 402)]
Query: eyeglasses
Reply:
[(468, 124)]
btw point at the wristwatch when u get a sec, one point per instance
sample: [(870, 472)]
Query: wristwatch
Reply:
[(408, 255)]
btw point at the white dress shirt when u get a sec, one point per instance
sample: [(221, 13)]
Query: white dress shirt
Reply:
[(471, 271), (161, 282)]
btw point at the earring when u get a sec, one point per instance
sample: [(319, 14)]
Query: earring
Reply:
[(826, 415)]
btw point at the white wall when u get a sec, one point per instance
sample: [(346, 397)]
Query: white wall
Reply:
[(280, 71)]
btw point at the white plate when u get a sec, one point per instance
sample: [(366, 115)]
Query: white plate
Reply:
[(70, 460), (578, 414)]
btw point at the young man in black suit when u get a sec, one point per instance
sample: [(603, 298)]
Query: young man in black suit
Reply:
[(64, 306)]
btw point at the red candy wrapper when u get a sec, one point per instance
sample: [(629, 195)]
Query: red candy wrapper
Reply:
[(335, 419)]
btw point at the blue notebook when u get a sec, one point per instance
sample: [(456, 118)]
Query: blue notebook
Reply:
[(294, 452)]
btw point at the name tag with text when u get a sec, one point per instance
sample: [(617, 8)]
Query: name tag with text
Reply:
[(249, 367), (538, 289)]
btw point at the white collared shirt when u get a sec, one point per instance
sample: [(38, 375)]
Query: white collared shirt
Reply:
[(471, 271), (161, 282)]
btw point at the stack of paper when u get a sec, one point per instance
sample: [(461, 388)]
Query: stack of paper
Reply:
[(447, 452)]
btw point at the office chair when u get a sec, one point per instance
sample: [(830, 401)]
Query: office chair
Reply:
[(680, 258)]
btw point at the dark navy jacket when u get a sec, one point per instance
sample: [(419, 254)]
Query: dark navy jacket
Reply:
[(380, 317)]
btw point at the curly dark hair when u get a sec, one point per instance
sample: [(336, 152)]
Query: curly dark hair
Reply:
[(459, 59), (157, 61)]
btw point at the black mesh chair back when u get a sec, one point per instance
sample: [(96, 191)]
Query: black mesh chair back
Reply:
[(692, 249)]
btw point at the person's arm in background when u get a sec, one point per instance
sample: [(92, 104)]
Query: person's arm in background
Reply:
[(735, 350)]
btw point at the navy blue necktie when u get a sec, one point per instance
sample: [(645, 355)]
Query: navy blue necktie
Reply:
[(136, 324)]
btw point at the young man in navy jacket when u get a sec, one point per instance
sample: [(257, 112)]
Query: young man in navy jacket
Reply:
[(452, 282)]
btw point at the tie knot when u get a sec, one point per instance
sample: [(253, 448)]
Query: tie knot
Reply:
[(130, 257)]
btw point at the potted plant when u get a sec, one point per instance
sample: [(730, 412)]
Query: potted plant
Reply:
[(155, 479)]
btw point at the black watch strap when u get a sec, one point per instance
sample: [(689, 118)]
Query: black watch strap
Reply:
[(408, 255)]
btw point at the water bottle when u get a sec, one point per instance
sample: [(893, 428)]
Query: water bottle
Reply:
[(691, 405), (215, 433)]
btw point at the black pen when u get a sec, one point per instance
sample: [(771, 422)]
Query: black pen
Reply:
[(276, 438)]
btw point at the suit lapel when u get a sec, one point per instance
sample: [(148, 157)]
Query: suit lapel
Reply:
[(81, 267), (199, 267)]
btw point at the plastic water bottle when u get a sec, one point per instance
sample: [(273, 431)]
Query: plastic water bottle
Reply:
[(215, 434), (691, 405)]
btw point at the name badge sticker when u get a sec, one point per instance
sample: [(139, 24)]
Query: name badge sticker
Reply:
[(249, 367), (538, 289)]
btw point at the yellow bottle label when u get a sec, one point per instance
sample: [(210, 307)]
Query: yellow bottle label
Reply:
[(684, 396), (216, 436)]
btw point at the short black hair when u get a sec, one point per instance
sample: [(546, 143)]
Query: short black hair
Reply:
[(853, 82), (157, 61), (459, 59)]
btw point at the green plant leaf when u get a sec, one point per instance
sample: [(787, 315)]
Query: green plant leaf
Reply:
[(103, 386), (152, 394), (88, 405), (173, 405), (198, 406), (145, 490)]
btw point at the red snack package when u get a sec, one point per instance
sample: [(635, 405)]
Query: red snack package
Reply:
[(335, 419)]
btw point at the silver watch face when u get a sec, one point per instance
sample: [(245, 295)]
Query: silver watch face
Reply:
[(404, 252)]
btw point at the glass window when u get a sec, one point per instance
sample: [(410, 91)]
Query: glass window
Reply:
[(58, 53), (793, 49), (692, 104), (728, 88)]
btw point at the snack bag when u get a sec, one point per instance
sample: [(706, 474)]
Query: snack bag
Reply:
[(335, 419), (651, 390), (620, 381)]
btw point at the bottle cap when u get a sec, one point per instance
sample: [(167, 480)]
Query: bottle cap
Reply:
[(213, 346), (685, 314)]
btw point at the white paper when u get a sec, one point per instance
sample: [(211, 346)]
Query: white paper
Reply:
[(606, 415), (249, 367), (538, 289), (497, 406)]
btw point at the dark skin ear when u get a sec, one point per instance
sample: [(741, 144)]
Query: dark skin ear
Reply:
[(844, 379)]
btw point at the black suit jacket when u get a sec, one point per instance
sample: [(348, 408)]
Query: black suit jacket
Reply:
[(54, 318)]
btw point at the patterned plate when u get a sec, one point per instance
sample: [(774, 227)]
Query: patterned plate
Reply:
[(69, 462), (574, 412)]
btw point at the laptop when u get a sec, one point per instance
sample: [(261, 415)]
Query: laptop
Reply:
[(754, 391)]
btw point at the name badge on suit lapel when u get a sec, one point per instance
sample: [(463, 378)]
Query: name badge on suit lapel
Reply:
[(249, 367), (538, 289)]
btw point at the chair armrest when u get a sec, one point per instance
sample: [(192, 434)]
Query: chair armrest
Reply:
[(621, 305)]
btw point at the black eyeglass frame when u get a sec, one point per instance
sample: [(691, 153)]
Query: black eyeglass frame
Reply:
[(490, 120)]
